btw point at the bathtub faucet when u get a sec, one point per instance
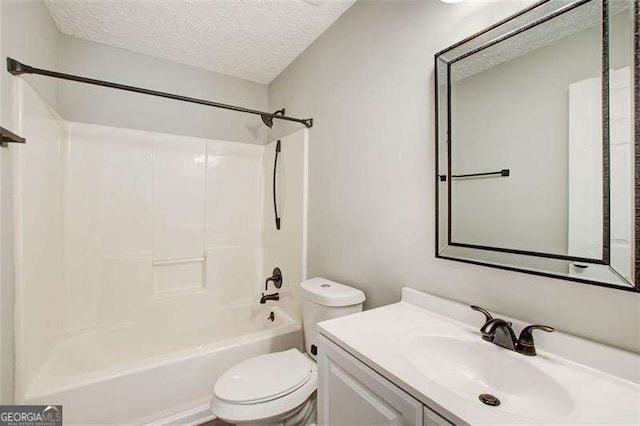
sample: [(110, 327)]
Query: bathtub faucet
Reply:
[(272, 296), (276, 278)]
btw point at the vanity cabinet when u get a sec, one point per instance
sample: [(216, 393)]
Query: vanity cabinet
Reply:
[(351, 393)]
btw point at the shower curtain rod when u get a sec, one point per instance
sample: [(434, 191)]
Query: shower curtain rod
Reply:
[(17, 68)]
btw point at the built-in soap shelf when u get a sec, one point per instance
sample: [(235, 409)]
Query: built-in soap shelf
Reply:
[(173, 277)]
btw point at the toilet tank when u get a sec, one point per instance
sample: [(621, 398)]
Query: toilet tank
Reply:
[(322, 300)]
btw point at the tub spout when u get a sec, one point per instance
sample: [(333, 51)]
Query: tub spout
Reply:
[(272, 296)]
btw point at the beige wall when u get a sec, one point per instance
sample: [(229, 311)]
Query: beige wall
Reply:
[(368, 84), (108, 107), (29, 34)]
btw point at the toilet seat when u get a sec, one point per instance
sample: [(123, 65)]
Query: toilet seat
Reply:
[(264, 378), (235, 402)]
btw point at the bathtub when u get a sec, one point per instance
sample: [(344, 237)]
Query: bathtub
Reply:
[(142, 374)]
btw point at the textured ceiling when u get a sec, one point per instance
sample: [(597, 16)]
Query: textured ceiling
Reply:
[(561, 27), (585, 17), (250, 39)]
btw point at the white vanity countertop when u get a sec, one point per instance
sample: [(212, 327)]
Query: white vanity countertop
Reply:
[(579, 381)]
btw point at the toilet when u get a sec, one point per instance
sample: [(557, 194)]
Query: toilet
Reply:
[(280, 388)]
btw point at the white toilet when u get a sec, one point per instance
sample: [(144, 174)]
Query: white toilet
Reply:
[(280, 388)]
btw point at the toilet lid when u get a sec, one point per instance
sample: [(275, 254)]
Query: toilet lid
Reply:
[(264, 378)]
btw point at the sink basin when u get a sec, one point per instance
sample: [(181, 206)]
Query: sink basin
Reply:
[(472, 367)]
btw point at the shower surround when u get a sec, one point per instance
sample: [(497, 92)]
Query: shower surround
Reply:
[(141, 257)]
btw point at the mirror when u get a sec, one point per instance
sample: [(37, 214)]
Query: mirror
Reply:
[(536, 144)]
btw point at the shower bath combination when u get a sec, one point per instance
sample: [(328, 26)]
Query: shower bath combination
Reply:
[(165, 287)]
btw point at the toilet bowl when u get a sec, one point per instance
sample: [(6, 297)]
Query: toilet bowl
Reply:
[(280, 388)]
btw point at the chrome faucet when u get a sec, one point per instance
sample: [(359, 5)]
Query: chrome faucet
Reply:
[(500, 332)]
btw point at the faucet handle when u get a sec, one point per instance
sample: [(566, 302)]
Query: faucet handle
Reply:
[(276, 278), (488, 316), (525, 341)]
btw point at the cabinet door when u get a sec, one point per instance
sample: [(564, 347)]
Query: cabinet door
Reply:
[(350, 393), (431, 418)]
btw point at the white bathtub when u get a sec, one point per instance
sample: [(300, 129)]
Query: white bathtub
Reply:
[(146, 374)]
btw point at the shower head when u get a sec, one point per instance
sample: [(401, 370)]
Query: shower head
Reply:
[(268, 120)]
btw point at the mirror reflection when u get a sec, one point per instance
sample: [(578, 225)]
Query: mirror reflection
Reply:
[(536, 144)]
